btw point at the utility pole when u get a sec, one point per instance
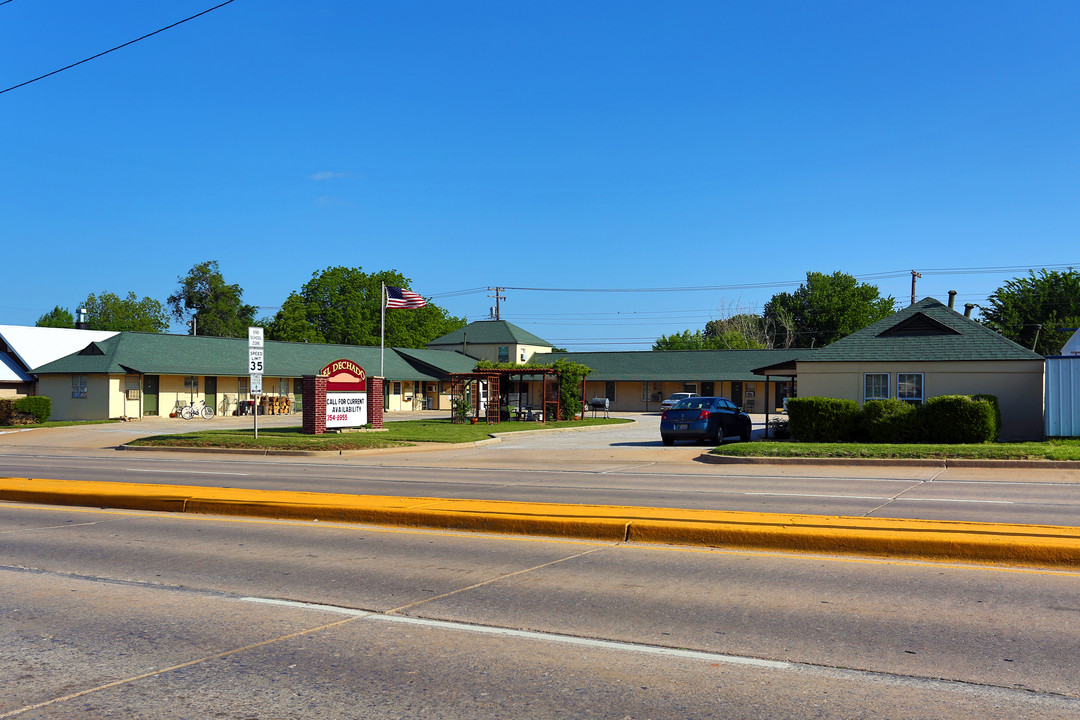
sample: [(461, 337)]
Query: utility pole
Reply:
[(497, 297), (913, 276)]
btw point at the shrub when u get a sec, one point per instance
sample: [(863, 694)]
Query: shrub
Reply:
[(957, 419), (37, 405), (7, 410), (779, 428), (992, 399), (889, 421), (819, 419)]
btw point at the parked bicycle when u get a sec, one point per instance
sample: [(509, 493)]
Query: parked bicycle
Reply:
[(202, 410)]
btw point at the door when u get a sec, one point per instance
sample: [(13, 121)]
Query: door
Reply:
[(211, 393), (736, 393), (150, 394), (707, 389)]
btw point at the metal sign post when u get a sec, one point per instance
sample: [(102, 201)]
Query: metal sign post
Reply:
[(255, 371)]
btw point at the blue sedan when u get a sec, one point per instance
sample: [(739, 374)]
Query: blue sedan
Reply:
[(708, 419)]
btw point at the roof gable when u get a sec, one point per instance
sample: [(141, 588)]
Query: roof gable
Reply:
[(925, 331), (918, 325), (489, 332)]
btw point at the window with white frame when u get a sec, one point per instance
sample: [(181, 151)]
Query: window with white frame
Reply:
[(876, 386), (909, 387), (78, 386)]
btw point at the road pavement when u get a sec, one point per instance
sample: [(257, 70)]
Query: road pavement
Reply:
[(620, 448)]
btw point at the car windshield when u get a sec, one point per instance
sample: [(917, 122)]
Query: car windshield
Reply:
[(693, 403)]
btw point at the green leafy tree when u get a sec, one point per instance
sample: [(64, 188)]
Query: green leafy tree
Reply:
[(109, 312), (1031, 310), (686, 340), (824, 309), (58, 317), (342, 305), (217, 308)]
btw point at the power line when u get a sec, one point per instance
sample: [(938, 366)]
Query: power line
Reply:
[(106, 52)]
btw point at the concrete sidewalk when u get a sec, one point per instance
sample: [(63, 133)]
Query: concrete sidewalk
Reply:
[(956, 541)]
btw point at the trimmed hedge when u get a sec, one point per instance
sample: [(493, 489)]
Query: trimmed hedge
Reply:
[(37, 405), (957, 419), (888, 421), (950, 419), (819, 419)]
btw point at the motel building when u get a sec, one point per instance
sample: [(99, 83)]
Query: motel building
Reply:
[(925, 350)]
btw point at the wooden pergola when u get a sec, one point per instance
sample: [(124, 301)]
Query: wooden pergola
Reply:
[(466, 386)]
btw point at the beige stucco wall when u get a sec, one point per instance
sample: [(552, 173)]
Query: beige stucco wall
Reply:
[(95, 406), (1018, 386)]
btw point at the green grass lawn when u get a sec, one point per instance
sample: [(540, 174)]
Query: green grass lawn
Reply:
[(57, 423), (1049, 450), (398, 434)]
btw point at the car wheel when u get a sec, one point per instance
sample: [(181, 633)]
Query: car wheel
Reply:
[(668, 441)]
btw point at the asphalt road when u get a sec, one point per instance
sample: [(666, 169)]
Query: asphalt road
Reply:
[(621, 465), (126, 614)]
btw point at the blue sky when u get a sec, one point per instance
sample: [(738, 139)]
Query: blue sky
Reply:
[(557, 145)]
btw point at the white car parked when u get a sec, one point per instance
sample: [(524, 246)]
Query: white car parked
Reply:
[(674, 398)]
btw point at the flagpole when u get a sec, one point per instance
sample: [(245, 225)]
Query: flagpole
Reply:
[(382, 328)]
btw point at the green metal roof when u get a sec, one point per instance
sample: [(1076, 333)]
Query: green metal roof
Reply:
[(925, 331), (153, 354), (490, 332), (676, 365)]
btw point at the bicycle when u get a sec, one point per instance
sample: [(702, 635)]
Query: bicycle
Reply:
[(189, 411)]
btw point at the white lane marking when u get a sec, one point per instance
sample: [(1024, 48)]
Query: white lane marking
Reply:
[(531, 635), (308, 606), (871, 497), (184, 472)]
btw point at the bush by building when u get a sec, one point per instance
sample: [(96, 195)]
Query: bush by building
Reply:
[(38, 406), (819, 419), (949, 419)]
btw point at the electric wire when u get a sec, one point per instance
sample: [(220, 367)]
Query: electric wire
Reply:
[(106, 52)]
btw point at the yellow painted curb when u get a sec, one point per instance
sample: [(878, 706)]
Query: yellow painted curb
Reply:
[(968, 541)]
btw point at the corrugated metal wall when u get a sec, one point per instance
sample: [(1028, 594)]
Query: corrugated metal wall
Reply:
[(1063, 397)]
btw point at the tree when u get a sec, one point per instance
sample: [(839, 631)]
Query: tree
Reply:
[(58, 317), (734, 331), (824, 309), (216, 307), (342, 305), (686, 340), (109, 312), (1030, 310)]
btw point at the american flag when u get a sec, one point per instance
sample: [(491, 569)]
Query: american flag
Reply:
[(402, 298)]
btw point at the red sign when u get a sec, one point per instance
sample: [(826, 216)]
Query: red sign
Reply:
[(344, 376)]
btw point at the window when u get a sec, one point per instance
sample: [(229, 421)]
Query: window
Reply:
[(242, 388), (283, 386), (876, 386), (504, 353), (191, 383), (909, 387), (78, 386), (397, 388), (609, 390)]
